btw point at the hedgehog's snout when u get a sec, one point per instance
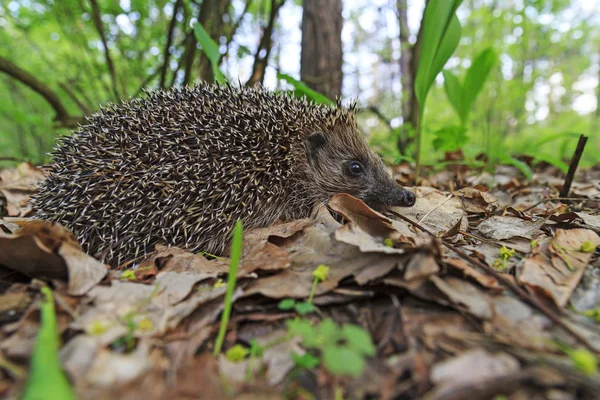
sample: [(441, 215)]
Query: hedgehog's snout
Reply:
[(397, 196), (390, 195)]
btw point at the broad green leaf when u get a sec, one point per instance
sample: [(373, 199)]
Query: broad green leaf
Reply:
[(329, 331), (453, 90), (520, 165), (304, 308), (441, 33), (211, 49), (448, 44), (476, 76), (306, 360), (359, 339), (286, 304), (46, 378), (550, 160), (341, 360), (300, 89), (556, 136)]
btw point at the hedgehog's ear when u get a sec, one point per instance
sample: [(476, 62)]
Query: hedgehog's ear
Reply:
[(313, 143)]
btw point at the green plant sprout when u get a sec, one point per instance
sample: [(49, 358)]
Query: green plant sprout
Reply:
[(505, 254), (584, 360), (236, 254), (342, 351), (46, 378), (320, 274)]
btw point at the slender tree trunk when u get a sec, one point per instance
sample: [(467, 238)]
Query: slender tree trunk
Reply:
[(409, 62), (263, 51), (321, 57), (211, 18)]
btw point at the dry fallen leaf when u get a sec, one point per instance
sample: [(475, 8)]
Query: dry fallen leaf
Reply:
[(554, 268), (49, 251)]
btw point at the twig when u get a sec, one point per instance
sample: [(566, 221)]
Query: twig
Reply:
[(167, 53), (62, 115), (73, 97), (97, 19), (234, 28), (553, 199), (564, 192), (516, 289), (260, 63), (436, 207)]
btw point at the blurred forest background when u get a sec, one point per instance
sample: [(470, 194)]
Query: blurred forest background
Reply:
[(61, 59)]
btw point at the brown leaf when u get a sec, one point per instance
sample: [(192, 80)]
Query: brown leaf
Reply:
[(17, 186), (554, 268), (49, 251)]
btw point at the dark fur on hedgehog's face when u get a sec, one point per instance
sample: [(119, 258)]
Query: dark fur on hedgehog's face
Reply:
[(344, 163)]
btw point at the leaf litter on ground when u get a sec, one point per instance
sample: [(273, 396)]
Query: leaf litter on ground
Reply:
[(148, 331)]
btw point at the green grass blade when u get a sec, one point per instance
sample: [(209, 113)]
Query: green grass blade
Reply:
[(300, 89), (236, 255), (46, 378), (453, 90), (211, 50)]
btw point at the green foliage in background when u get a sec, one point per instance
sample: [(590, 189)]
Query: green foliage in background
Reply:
[(546, 55)]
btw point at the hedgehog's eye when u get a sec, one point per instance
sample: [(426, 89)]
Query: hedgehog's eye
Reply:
[(355, 168)]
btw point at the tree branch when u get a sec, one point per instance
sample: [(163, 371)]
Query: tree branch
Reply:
[(235, 27), (97, 19), (260, 63), (167, 53), (73, 97), (62, 115)]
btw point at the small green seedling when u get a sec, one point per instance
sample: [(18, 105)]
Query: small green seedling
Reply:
[(587, 247), (320, 274), (594, 314), (388, 243), (505, 254), (46, 378), (237, 353), (300, 307), (584, 360), (342, 351), (236, 254)]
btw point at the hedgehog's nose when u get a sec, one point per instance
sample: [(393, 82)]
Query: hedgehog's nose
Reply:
[(396, 196), (408, 198)]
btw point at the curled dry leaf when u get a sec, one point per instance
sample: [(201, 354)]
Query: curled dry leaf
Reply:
[(49, 251), (554, 268), (17, 186), (477, 202), (591, 221), (501, 227)]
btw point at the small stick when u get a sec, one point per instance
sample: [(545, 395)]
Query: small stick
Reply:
[(564, 192), (516, 289)]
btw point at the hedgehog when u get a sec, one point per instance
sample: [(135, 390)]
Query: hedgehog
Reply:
[(179, 167)]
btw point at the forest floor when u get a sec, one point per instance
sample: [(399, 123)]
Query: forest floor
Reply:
[(489, 288)]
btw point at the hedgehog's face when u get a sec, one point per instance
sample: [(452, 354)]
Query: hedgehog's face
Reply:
[(341, 167)]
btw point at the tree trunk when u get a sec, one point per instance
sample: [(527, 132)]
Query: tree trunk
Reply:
[(211, 18), (409, 62), (321, 56)]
